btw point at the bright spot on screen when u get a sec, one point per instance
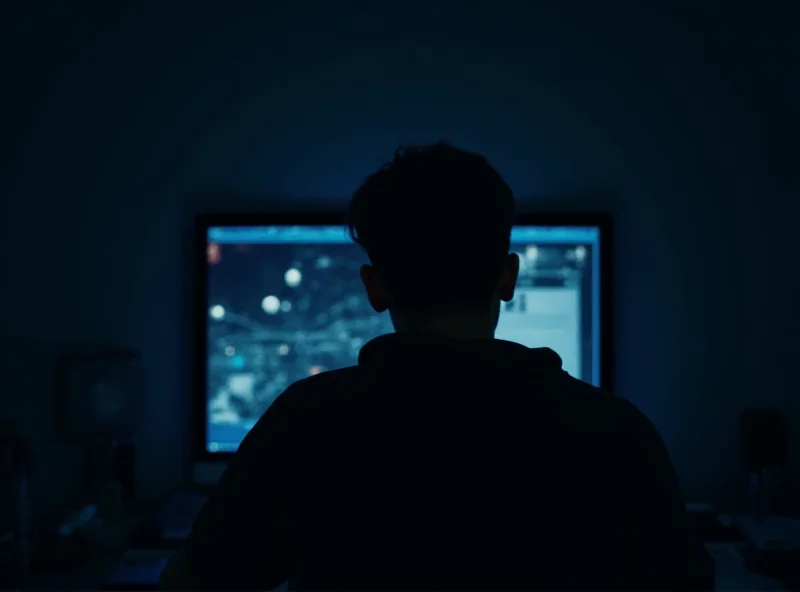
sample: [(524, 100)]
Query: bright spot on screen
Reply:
[(271, 304), (217, 312), (286, 306), (230, 350), (314, 370), (283, 349), (580, 253), (292, 277), (532, 253), (213, 254)]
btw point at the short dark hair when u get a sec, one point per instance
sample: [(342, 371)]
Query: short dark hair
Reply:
[(435, 223)]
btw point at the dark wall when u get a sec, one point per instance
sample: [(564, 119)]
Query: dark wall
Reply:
[(125, 118)]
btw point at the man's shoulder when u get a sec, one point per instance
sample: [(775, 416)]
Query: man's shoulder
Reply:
[(320, 389), (598, 406), (314, 397), (579, 402)]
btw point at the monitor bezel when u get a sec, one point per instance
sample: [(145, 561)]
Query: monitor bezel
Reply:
[(203, 222)]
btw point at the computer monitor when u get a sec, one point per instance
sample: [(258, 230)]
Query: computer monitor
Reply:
[(280, 299)]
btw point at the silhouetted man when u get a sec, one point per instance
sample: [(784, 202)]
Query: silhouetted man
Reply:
[(446, 459)]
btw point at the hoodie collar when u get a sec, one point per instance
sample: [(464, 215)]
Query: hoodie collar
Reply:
[(425, 348)]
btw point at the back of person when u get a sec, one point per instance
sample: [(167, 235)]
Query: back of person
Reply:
[(460, 465), (446, 459)]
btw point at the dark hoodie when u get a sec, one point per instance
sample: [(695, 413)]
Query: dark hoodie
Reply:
[(448, 464)]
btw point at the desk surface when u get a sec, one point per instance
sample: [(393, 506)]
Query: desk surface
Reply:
[(140, 569)]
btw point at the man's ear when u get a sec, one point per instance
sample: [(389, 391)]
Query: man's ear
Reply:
[(376, 291), (508, 279)]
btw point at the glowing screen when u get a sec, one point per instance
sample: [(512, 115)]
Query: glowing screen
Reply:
[(286, 302)]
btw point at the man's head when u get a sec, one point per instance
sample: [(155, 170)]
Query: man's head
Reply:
[(436, 225)]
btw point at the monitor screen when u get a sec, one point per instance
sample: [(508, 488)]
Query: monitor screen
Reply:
[(283, 302)]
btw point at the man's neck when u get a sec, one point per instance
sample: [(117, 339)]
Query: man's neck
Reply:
[(453, 326)]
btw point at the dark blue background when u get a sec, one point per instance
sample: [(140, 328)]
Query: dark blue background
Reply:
[(127, 117)]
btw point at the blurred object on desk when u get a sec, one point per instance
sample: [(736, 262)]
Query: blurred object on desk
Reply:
[(75, 550), (764, 456), (99, 399), (773, 546), (138, 570), (171, 525), (709, 526)]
